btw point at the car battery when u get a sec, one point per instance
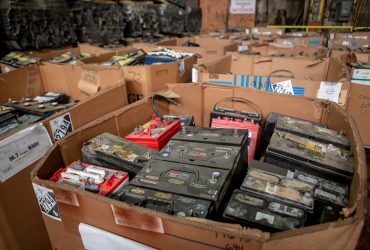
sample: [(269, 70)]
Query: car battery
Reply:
[(155, 133), (92, 178)]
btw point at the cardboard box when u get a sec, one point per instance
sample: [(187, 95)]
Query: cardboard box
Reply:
[(169, 232), (64, 77), (245, 72), (306, 39), (344, 56), (350, 40), (209, 48), (274, 49), (21, 225), (358, 105), (21, 82), (141, 80), (362, 57)]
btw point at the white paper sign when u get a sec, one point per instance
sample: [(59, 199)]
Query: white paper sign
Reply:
[(242, 47), (194, 75), (96, 239), (361, 76), (330, 91), (182, 68), (243, 7), (22, 149), (284, 87)]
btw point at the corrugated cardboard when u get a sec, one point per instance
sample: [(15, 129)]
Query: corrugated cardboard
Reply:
[(274, 49), (312, 41), (351, 40), (239, 71), (362, 57), (141, 80), (209, 48), (64, 77), (21, 226), (299, 68), (169, 232), (358, 106), (22, 82)]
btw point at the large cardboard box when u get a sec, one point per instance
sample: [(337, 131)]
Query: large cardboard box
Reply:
[(255, 65), (274, 49), (239, 71), (304, 39), (21, 225), (209, 48), (64, 77), (170, 232), (350, 40), (141, 80)]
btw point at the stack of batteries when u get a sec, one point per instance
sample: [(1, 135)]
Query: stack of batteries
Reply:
[(98, 21), (303, 181), (139, 57), (18, 60), (174, 168), (182, 170), (69, 58), (141, 19), (135, 57), (29, 25), (20, 113), (193, 174)]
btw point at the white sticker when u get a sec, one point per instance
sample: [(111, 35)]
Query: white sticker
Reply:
[(242, 47), (47, 201), (361, 76), (20, 150), (6, 69), (61, 126), (267, 217), (182, 67), (290, 174), (194, 75), (284, 87), (243, 7), (355, 37), (330, 91)]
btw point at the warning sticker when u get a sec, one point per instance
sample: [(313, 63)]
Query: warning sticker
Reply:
[(61, 126), (47, 202)]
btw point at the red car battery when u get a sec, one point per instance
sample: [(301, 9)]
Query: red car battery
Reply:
[(92, 178), (155, 133), (253, 129), (231, 118)]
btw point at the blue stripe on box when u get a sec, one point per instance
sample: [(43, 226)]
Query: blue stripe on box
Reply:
[(242, 81), (247, 81), (260, 83), (219, 82), (267, 84), (298, 91), (254, 81), (314, 42), (235, 78)]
